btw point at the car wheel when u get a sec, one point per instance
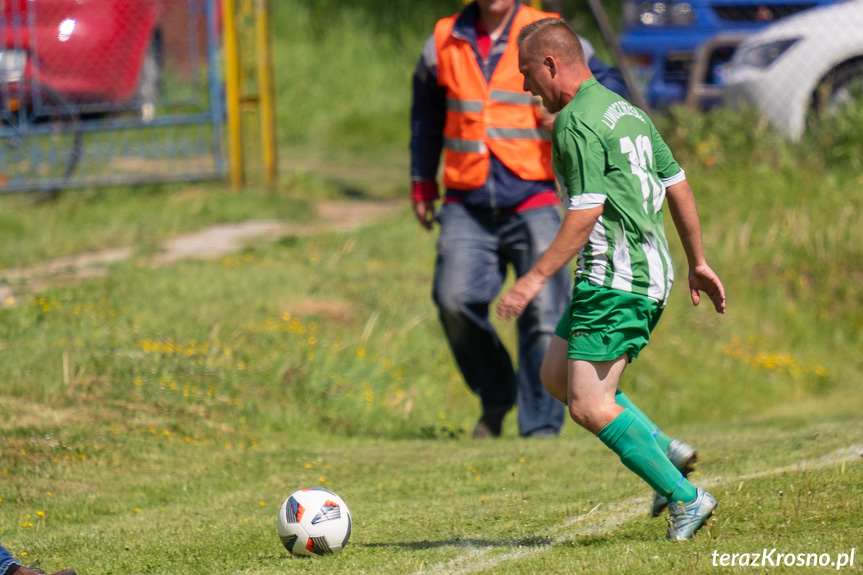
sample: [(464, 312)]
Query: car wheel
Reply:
[(147, 93), (839, 88)]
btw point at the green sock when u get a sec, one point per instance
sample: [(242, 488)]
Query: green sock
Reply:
[(623, 401), (632, 441)]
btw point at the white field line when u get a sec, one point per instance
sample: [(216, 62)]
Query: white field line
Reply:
[(596, 522)]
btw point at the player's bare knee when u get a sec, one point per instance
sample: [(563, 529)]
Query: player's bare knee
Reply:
[(580, 414), (590, 416)]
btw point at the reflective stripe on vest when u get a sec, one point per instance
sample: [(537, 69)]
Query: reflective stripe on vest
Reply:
[(464, 105), (518, 134), (515, 98), (465, 146), (479, 147), (501, 96)]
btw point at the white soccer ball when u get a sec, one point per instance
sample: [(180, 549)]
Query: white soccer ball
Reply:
[(314, 521)]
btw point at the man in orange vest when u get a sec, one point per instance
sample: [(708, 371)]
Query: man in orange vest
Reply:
[(501, 205)]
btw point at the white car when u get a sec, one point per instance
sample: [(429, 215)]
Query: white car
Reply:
[(810, 61)]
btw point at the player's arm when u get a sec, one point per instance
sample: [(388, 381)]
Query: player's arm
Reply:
[(571, 237), (702, 278), (581, 160)]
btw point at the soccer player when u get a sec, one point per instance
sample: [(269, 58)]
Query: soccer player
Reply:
[(617, 171)]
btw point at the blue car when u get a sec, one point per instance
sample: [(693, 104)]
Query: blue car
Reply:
[(677, 50)]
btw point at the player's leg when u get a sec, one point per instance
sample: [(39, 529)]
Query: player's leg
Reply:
[(681, 454), (662, 439), (590, 392), (592, 388), (608, 328), (555, 367), (468, 276)]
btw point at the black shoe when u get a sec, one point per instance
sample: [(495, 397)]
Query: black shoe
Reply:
[(489, 425)]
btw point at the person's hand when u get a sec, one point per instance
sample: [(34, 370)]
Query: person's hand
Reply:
[(703, 279), (544, 118), (514, 302), (425, 213), (547, 121)]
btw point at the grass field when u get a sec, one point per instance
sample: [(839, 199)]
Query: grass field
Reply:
[(153, 420), (154, 417)]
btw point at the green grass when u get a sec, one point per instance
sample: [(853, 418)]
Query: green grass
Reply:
[(143, 217), (153, 419), (136, 500)]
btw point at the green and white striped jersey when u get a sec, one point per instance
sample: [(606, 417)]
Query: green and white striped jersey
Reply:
[(607, 151)]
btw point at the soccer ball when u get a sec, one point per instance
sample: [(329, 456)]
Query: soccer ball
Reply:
[(313, 522)]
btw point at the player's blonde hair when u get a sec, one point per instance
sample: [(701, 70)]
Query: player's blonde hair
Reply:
[(550, 36)]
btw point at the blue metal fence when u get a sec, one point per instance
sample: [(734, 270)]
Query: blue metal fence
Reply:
[(107, 93)]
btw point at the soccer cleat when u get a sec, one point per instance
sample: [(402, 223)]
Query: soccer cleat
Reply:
[(684, 457), (684, 519)]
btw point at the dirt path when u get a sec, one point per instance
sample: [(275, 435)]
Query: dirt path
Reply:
[(208, 243)]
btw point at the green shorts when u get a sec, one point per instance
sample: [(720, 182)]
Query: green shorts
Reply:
[(601, 324)]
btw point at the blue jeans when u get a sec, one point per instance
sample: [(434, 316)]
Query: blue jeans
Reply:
[(6, 560), (474, 250)]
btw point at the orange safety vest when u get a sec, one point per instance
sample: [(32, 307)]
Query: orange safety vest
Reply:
[(498, 117)]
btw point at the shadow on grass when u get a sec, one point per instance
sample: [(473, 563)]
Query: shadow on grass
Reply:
[(476, 543), (352, 191), (587, 540)]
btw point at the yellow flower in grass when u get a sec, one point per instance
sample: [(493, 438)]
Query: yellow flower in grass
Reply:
[(368, 393), (772, 361)]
